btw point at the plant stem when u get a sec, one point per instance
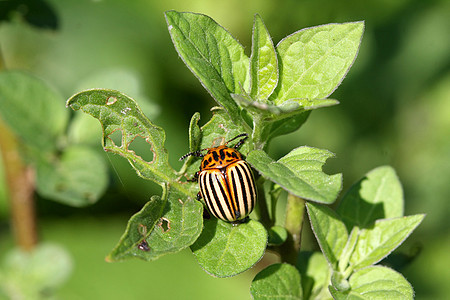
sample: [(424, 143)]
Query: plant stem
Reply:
[(294, 222), (20, 181)]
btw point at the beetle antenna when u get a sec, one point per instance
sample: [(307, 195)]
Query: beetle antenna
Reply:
[(197, 153), (238, 144)]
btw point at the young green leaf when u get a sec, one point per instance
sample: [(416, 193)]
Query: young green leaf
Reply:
[(263, 62), (384, 237), (33, 110), (277, 281), (315, 60), (300, 173), (164, 225), (329, 230), (214, 56), (225, 250), (378, 195), (77, 178), (195, 134), (316, 275), (119, 114), (379, 282)]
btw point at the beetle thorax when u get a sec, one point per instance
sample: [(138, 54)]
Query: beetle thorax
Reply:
[(220, 157)]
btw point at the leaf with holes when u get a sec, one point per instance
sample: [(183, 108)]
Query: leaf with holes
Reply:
[(120, 113), (214, 56), (277, 281), (329, 230), (314, 61), (225, 250), (166, 224), (300, 173), (378, 195)]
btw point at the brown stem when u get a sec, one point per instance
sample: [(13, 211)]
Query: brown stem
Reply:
[(20, 181)]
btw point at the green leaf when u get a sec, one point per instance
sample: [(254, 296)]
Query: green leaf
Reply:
[(212, 54), (348, 249), (120, 115), (195, 133), (263, 62), (277, 235), (78, 178), (315, 60), (225, 250), (300, 173), (315, 275), (338, 295), (164, 225), (379, 282), (384, 237), (378, 195), (33, 110), (278, 281), (329, 230), (285, 110), (29, 275)]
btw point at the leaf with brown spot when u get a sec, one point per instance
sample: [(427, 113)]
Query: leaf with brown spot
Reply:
[(119, 113)]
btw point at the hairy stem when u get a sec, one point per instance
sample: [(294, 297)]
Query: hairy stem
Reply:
[(294, 221), (20, 181)]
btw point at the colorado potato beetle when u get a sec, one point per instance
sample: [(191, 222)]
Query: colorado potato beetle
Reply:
[(226, 181)]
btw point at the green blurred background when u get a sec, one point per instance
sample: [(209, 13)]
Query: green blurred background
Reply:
[(395, 109)]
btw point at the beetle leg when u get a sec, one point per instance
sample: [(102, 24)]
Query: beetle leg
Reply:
[(194, 178)]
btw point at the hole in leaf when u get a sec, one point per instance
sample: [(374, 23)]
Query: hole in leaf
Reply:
[(142, 148), (116, 138), (111, 100), (164, 224), (143, 245), (142, 229)]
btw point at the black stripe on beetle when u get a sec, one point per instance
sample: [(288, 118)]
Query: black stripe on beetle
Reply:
[(226, 181)]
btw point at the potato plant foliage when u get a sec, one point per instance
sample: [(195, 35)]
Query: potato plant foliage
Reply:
[(267, 94)]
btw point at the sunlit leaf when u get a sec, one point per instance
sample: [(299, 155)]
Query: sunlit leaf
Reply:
[(315, 60), (378, 195), (164, 225), (329, 230), (300, 173), (384, 237), (263, 62), (278, 281), (120, 115), (225, 250), (214, 56), (379, 282)]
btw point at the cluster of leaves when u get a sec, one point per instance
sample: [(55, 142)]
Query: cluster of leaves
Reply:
[(266, 95), (67, 171)]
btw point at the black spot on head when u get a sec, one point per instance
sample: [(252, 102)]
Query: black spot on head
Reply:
[(222, 154), (215, 156)]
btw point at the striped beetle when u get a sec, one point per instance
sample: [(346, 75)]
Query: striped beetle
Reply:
[(226, 181)]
